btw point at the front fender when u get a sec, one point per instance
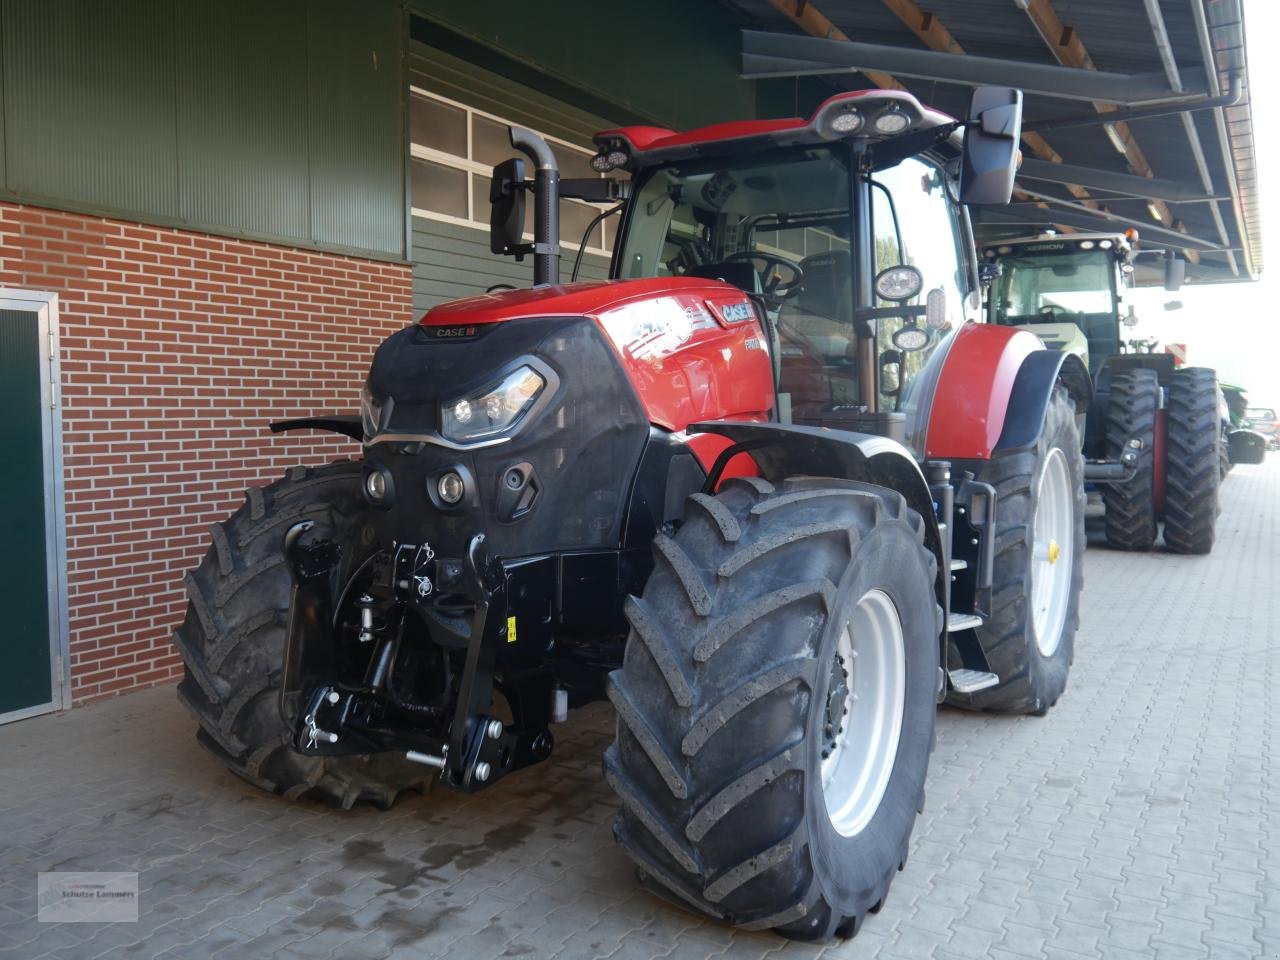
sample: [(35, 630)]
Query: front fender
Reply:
[(786, 450), (1032, 391), (996, 379)]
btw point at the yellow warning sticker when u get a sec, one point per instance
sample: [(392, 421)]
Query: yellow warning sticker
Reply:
[(511, 629)]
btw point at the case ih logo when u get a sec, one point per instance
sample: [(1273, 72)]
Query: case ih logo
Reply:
[(736, 312), (452, 333)]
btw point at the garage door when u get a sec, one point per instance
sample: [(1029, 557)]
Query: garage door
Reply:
[(32, 575), (458, 115)]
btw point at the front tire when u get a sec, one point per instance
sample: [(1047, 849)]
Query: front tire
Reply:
[(735, 713), (1191, 461), (1131, 414), (232, 643), (1029, 638)]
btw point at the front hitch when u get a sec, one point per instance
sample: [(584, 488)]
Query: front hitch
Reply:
[(329, 715)]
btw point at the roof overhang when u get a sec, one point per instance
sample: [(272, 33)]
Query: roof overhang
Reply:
[(1136, 115)]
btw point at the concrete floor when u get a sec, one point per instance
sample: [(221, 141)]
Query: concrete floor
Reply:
[(1139, 819)]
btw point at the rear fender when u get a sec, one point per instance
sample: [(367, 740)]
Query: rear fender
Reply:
[(993, 391), (785, 450)]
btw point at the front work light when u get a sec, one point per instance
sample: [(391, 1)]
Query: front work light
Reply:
[(898, 283), (891, 122), (482, 415)]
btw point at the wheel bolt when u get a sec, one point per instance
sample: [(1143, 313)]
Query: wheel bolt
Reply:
[(494, 729), (482, 771)]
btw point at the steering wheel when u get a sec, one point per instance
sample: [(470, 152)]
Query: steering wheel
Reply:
[(771, 269), (499, 286), (1048, 311)]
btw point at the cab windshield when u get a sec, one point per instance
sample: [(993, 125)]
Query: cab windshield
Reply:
[(1055, 287), (1040, 285), (777, 225)]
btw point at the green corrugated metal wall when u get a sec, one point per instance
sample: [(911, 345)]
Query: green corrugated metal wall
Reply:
[(672, 61), (279, 121), (450, 260)]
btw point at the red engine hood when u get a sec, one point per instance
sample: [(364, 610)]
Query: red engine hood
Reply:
[(586, 299)]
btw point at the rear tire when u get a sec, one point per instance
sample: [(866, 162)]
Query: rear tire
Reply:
[(1191, 461), (730, 681), (1131, 506), (1033, 667), (232, 643)]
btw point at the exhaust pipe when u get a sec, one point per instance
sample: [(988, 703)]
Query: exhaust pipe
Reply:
[(546, 211)]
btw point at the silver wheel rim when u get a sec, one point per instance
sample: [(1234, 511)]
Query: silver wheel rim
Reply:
[(1052, 553), (858, 755)]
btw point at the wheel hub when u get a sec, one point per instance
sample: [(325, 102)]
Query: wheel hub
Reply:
[(863, 713), (837, 704), (1054, 531)]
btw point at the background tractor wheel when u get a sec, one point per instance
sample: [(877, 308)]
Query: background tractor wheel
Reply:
[(1191, 461), (1030, 636), (1130, 506), (232, 643), (776, 704)]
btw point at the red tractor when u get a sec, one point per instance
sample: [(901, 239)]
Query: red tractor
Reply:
[(769, 490)]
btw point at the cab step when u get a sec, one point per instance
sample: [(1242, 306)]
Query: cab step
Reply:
[(971, 681), (963, 621)]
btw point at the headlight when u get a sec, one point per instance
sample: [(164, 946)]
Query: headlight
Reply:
[(483, 415), (370, 413)]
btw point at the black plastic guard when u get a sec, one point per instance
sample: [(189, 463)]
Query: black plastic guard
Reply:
[(1032, 391)]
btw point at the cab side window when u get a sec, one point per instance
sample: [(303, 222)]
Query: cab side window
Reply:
[(925, 234)]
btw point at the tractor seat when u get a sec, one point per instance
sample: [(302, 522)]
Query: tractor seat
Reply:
[(820, 313)]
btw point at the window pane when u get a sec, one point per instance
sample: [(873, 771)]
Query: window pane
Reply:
[(574, 218), (438, 125), (490, 143), (572, 163), (439, 188)]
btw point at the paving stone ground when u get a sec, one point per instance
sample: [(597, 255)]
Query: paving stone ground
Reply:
[(1139, 819)]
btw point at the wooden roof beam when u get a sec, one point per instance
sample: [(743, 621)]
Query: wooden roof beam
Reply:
[(1069, 50)]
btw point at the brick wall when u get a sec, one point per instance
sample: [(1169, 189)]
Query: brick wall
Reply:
[(177, 349)]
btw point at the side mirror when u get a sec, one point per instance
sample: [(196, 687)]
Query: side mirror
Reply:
[(991, 145), (506, 210), (1175, 271)]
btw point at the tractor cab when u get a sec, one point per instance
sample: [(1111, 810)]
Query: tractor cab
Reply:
[(1067, 290), (847, 232)]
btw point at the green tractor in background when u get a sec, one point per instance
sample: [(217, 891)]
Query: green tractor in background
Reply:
[(1154, 441)]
